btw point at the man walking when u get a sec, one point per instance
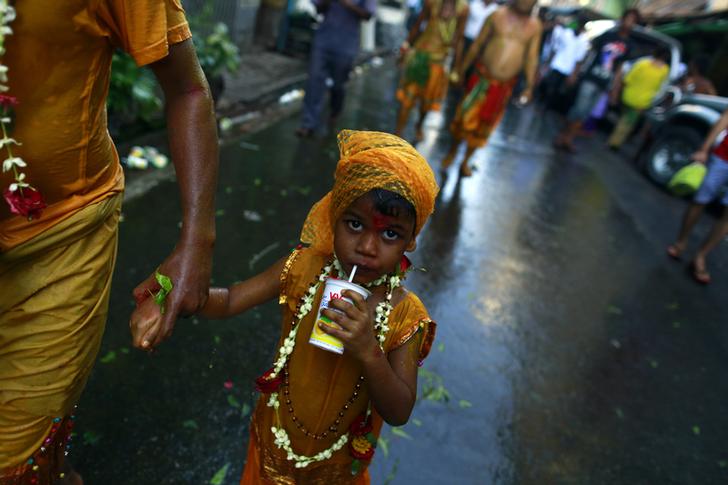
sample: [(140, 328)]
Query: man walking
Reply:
[(334, 50)]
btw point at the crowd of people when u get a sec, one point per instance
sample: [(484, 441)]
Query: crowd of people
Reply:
[(52, 320)]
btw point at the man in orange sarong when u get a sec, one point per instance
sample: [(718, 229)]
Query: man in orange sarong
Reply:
[(511, 37), (55, 270)]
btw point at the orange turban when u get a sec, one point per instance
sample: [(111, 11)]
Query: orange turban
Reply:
[(371, 160)]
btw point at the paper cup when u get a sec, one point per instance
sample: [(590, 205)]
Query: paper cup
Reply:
[(332, 291)]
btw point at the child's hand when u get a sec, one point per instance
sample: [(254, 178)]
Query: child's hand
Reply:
[(357, 325), (145, 324)]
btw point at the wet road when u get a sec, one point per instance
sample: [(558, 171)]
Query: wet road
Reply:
[(571, 349)]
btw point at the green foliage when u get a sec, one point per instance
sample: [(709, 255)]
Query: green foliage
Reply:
[(132, 92), (134, 98)]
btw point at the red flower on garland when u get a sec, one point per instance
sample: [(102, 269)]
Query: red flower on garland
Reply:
[(7, 101), (361, 449), (404, 265), (361, 426), (28, 203), (267, 384)]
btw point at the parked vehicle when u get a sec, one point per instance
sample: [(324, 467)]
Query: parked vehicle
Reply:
[(678, 127)]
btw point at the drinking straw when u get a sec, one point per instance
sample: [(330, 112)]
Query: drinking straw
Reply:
[(351, 276)]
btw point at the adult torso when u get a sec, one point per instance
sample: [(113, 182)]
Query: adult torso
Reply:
[(505, 51), (439, 33), (477, 14)]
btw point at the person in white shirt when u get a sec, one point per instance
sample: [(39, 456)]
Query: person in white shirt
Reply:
[(570, 46)]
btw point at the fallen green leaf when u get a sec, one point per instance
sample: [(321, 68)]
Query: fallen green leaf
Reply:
[(91, 438), (245, 411), (696, 430), (109, 357), (383, 444), (416, 422), (219, 477), (619, 413), (654, 364), (401, 433), (257, 182), (228, 190), (723, 463), (465, 404), (220, 212), (441, 347), (216, 339), (124, 350), (190, 424), (676, 324), (614, 310), (233, 402)]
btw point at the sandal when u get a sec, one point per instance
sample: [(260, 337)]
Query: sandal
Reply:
[(675, 251), (700, 275)]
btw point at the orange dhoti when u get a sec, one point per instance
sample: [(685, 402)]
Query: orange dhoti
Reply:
[(53, 308), (424, 80), (482, 108)]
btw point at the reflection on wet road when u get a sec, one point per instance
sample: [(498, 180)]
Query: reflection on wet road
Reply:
[(571, 350)]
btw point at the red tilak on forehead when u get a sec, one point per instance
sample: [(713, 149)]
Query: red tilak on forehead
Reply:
[(380, 221)]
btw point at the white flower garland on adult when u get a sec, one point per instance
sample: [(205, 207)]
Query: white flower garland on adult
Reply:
[(381, 328), (30, 203)]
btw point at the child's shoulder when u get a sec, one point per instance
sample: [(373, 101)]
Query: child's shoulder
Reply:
[(410, 307)]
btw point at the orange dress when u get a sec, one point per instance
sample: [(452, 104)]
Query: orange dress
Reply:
[(321, 382)]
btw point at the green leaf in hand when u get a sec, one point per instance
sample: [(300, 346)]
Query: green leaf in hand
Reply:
[(165, 282)]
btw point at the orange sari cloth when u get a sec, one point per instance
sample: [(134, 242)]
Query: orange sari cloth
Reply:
[(321, 382)]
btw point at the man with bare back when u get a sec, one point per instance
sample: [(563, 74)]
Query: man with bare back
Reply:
[(508, 43)]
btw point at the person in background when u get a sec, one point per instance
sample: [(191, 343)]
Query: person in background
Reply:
[(715, 182), (268, 21), (507, 45), (570, 48), (424, 53), (641, 85), (695, 81), (335, 46), (609, 51)]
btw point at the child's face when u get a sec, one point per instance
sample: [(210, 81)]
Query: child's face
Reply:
[(371, 240)]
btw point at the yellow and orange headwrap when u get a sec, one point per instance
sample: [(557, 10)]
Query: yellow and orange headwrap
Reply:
[(371, 160)]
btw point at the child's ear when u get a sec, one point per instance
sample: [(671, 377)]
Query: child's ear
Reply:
[(411, 246)]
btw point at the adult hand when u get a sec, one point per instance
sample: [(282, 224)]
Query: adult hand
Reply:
[(357, 325), (526, 96), (189, 267), (701, 156)]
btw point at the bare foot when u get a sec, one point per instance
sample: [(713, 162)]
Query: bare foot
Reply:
[(675, 250), (465, 170), (699, 271)]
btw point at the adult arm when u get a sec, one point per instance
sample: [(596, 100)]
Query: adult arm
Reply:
[(417, 26), (703, 154), (226, 302), (485, 33), (531, 63), (194, 148), (460, 36)]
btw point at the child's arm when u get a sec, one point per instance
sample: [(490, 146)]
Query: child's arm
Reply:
[(392, 379), (225, 302)]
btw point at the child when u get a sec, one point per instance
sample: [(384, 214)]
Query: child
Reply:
[(425, 77), (320, 413)]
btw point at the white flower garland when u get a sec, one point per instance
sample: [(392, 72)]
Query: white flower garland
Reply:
[(282, 441), (7, 15)]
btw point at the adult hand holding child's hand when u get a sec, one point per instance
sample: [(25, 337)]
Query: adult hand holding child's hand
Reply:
[(357, 325), (145, 324)]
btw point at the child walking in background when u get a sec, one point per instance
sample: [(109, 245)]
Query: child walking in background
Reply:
[(320, 413), (641, 86)]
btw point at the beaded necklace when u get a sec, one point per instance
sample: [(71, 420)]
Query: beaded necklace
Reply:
[(281, 438)]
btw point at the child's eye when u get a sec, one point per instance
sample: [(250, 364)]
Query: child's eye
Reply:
[(354, 225), (390, 235)]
